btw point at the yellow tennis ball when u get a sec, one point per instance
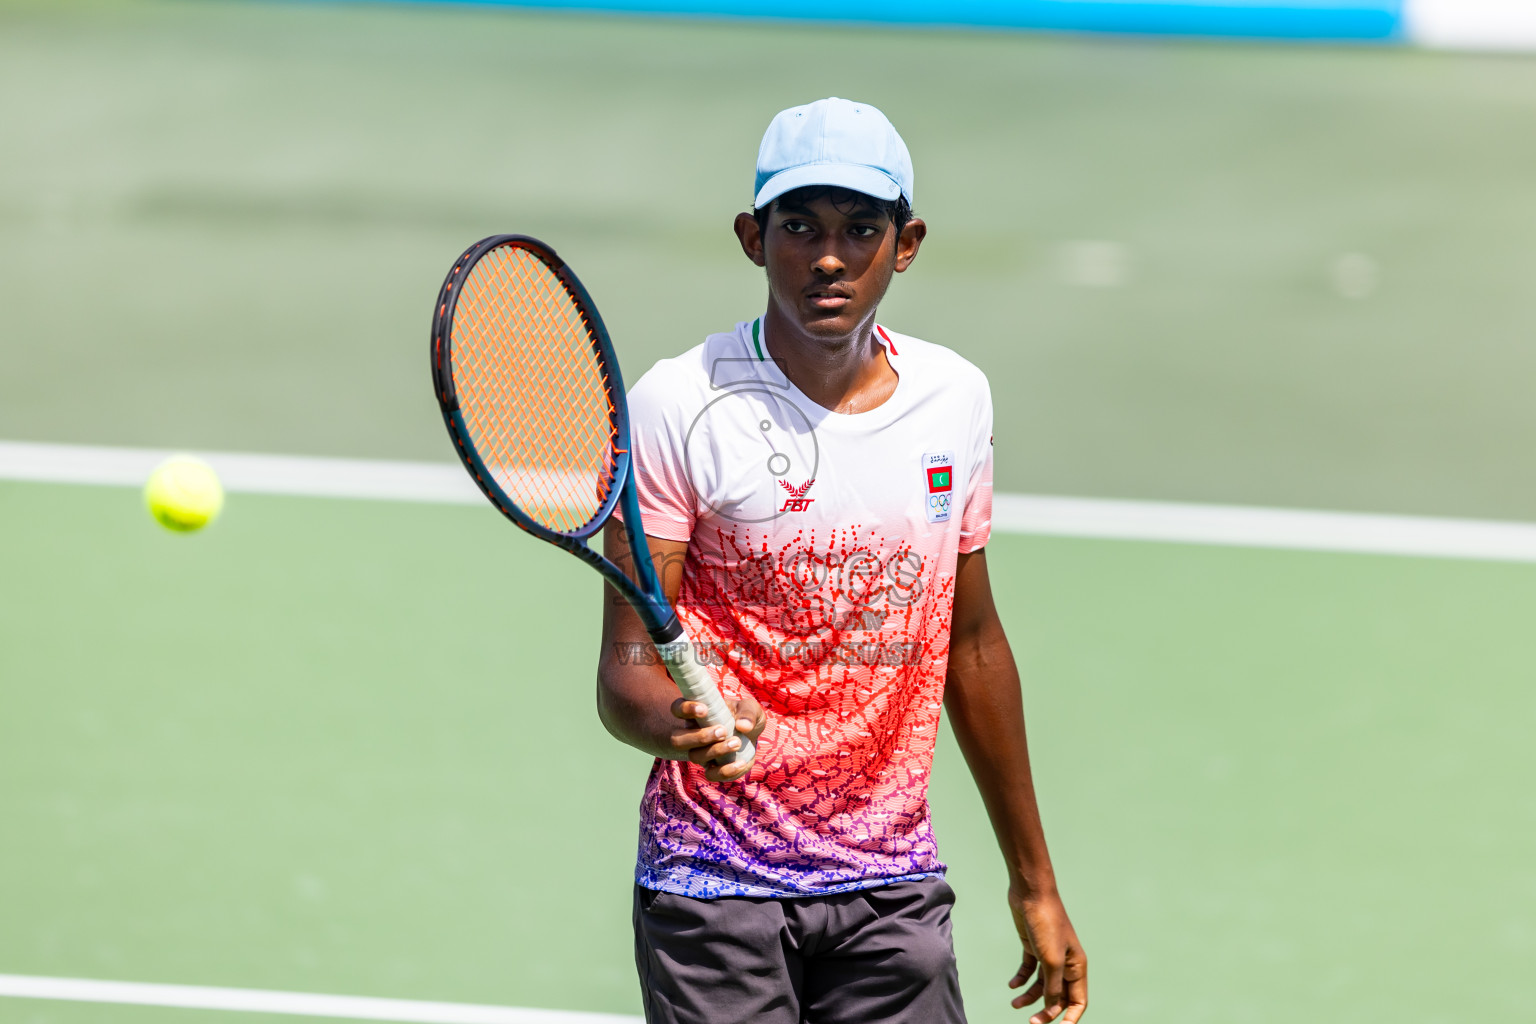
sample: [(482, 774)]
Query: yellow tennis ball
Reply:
[(184, 494)]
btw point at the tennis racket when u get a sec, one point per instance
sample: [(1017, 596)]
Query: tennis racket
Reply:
[(530, 391)]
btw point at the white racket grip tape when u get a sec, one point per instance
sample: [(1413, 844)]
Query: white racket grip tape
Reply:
[(696, 684)]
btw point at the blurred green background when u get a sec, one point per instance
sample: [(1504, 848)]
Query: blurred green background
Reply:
[(321, 748), (1143, 243)]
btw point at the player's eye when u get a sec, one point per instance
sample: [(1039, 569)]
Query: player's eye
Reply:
[(864, 231), (796, 227)]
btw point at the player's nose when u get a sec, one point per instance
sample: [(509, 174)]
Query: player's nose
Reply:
[(829, 265)]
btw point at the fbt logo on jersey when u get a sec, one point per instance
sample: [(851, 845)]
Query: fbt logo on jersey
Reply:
[(939, 485), (797, 501)]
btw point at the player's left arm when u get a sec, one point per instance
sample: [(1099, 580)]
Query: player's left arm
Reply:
[(986, 710)]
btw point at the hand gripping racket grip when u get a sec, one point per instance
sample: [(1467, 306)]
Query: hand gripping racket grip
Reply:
[(696, 684)]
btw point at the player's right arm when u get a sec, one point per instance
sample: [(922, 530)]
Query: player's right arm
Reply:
[(636, 699)]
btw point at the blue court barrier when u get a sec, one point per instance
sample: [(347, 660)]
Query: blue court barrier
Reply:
[(1358, 21), (1339, 20), (1459, 24)]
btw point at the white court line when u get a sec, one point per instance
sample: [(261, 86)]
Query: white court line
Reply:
[(245, 472), (1238, 526), (1243, 526), (307, 1004)]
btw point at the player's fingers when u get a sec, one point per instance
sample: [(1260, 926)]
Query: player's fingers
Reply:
[(1051, 968), (1076, 985), (1025, 972), (1022, 977), (1028, 996), (750, 717), (729, 772), (689, 710), (692, 740), (703, 755)]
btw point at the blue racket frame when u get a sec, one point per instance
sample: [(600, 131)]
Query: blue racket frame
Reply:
[(644, 592)]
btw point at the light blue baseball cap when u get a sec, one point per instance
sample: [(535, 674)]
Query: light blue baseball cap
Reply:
[(832, 142)]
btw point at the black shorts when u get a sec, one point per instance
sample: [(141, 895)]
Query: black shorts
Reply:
[(882, 954)]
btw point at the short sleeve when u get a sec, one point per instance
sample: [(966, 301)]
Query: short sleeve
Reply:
[(668, 507), (976, 520)]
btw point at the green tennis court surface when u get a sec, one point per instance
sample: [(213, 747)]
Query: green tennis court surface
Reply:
[(349, 747)]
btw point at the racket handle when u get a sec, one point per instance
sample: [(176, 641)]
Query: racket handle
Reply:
[(698, 685)]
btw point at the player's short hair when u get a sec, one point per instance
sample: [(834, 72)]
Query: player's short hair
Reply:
[(844, 199)]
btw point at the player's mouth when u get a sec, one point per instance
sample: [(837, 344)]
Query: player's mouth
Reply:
[(830, 299)]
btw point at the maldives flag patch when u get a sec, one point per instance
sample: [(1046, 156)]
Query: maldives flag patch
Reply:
[(939, 485)]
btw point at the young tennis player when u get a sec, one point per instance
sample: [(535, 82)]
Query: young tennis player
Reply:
[(817, 490)]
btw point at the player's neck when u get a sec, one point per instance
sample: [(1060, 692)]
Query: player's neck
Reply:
[(848, 374)]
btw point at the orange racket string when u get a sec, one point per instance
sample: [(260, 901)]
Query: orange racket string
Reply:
[(531, 389)]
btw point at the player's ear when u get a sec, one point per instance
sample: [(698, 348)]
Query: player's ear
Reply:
[(908, 242), (751, 237)]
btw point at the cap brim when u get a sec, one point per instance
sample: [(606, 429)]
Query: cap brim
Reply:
[(858, 177)]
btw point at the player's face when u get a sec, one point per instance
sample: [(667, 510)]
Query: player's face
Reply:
[(829, 263)]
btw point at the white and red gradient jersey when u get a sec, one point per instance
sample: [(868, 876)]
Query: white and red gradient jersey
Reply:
[(819, 578)]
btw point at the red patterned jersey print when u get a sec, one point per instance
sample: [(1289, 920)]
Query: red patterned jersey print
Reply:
[(819, 578)]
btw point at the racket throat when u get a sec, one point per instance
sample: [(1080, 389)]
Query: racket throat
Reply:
[(668, 632)]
